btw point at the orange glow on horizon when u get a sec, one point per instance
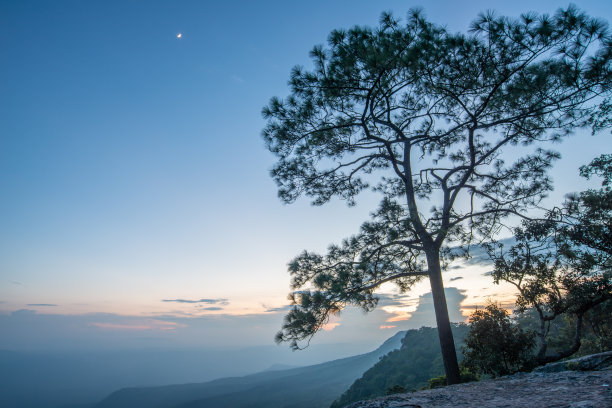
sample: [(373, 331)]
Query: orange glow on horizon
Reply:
[(330, 326), (399, 317)]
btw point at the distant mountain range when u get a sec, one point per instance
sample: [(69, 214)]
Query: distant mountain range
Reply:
[(75, 378), (308, 387), (407, 359)]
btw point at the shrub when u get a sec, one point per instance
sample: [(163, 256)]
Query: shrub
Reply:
[(396, 389), (466, 376), (496, 345)]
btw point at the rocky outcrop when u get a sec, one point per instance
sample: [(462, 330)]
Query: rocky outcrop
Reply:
[(587, 363), (547, 387)]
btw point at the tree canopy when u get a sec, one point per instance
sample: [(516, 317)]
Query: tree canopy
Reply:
[(562, 264), (423, 116)]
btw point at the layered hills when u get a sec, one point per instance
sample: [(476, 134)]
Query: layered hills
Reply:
[(308, 387)]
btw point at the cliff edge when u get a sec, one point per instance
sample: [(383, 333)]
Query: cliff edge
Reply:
[(574, 388)]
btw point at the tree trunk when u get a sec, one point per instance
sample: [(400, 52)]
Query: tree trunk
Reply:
[(447, 344), (542, 336), (570, 350)]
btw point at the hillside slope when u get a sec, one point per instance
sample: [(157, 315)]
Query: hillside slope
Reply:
[(308, 387), (410, 367)]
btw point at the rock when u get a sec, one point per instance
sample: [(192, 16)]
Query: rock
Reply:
[(586, 363), (575, 389)]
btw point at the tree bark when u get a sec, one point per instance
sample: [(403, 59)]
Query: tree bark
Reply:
[(542, 335), (570, 350), (447, 343)]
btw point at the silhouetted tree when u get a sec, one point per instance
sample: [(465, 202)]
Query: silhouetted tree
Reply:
[(562, 265), (423, 116), (495, 344)]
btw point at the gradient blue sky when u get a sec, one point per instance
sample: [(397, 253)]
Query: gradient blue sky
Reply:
[(131, 165)]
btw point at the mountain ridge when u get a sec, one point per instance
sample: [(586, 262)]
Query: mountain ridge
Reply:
[(323, 382)]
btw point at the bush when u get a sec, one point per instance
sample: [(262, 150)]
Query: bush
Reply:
[(496, 345), (437, 382), (466, 376), (396, 389)]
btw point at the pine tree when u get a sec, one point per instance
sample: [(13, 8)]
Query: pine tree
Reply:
[(423, 116)]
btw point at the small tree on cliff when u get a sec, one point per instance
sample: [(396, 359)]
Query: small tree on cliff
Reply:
[(562, 265), (495, 344), (423, 116)]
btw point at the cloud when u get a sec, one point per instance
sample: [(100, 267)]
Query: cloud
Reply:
[(479, 255), (212, 308), (509, 306), (471, 307), (150, 324), (220, 301), (236, 78), (270, 309), (424, 314), (16, 283), (189, 328), (386, 327), (330, 326), (400, 306), (395, 299), (115, 326), (23, 313), (456, 278), (42, 304), (399, 317)]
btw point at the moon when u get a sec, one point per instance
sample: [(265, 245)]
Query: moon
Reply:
[(179, 35)]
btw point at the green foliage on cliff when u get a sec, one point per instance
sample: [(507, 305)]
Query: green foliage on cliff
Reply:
[(596, 332), (495, 344), (561, 266), (408, 368)]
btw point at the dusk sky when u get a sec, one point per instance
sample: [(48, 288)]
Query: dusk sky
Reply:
[(135, 189)]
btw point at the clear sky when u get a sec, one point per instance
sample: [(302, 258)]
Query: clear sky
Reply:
[(134, 184)]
